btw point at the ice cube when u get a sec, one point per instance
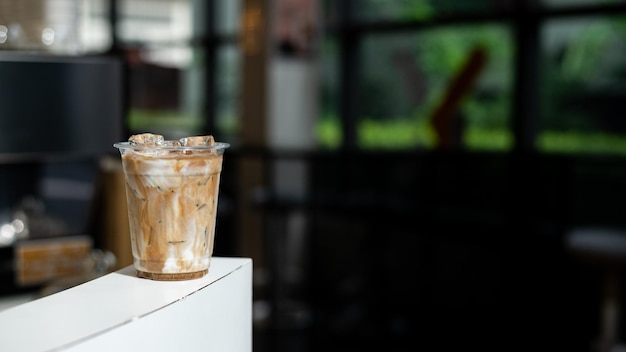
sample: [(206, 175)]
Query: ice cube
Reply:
[(197, 141), (147, 139), (169, 143)]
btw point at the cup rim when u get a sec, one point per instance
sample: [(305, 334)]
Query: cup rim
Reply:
[(128, 145)]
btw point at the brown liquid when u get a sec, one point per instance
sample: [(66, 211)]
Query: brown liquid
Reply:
[(172, 206)]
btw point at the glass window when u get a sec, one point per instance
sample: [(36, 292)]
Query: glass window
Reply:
[(155, 20), (574, 3), (165, 71), (406, 87), (227, 71), (373, 10), (164, 41), (166, 90), (329, 125), (582, 87), (227, 100), (227, 16), (95, 35)]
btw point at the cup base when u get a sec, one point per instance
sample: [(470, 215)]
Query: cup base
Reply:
[(172, 277)]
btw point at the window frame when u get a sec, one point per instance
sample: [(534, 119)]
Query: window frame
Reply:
[(525, 18)]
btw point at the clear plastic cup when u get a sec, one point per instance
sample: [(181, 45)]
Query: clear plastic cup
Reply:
[(172, 193)]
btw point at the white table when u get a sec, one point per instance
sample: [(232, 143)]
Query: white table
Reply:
[(120, 312)]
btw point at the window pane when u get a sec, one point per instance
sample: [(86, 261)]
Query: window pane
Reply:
[(573, 3), (227, 16), (228, 76), (166, 90), (329, 127), (155, 20), (96, 33), (583, 86), (422, 9), (407, 77)]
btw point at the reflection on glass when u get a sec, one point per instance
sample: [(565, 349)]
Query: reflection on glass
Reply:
[(582, 88), (406, 77)]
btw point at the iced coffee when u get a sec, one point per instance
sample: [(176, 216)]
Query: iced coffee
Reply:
[(172, 191)]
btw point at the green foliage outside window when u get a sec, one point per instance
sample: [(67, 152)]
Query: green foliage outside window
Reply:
[(580, 85)]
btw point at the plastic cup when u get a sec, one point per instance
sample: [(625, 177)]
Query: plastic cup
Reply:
[(172, 194)]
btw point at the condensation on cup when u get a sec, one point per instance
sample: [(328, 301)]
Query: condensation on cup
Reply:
[(172, 191)]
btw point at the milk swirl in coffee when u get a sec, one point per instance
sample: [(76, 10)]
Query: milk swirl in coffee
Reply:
[(172, 192)]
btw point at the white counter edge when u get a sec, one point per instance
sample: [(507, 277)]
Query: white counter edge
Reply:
[(87, 311)]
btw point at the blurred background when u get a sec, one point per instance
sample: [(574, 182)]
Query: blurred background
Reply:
[(404, 174)]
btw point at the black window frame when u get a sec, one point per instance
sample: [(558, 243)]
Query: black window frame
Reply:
[(525, 19)]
